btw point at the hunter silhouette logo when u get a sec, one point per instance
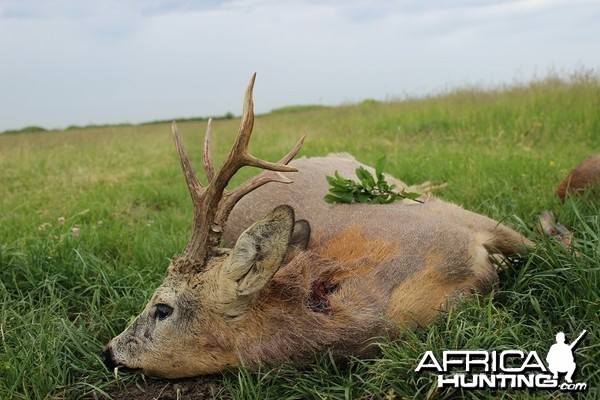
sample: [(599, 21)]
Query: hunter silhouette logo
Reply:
[(507, 369), (560, 356)]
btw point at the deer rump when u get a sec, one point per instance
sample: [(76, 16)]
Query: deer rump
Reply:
[(301, 277)]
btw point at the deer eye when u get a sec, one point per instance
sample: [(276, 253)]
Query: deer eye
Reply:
[(162, 311)]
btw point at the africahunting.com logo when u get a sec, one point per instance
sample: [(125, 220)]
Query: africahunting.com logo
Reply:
[(507, 369)]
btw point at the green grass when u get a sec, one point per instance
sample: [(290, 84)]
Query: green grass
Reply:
[(66, 289)]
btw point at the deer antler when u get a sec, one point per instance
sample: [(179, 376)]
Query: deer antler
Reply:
[(212, 203)]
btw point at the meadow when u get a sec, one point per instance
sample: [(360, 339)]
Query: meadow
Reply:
[(89, 218)]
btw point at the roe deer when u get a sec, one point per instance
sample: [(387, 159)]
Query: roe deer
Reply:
[(306, 277)]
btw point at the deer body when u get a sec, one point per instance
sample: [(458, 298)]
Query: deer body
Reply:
[(367, 264), (302, 276), (345, 290)]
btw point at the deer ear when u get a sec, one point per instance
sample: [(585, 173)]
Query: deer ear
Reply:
[(259, 251), (299, 240), (300, 236)]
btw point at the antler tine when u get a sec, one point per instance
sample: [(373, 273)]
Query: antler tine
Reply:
[(254, 183), (209, 168), (212, 204), (240, 147), (290, 156), (267, 176), (194, 186), (247, 123), (238, 156)]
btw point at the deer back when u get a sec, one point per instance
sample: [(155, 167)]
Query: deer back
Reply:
[(409, 223)]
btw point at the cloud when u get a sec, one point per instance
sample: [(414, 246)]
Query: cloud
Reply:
[(72, 62)]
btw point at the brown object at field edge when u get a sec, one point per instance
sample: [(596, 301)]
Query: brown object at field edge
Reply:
[(584, 175)]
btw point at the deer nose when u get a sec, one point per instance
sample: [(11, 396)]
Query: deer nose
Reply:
[(109, 360)]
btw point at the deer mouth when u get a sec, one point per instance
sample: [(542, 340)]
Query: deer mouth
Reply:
[(111, 364)]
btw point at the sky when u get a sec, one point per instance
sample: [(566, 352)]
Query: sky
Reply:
[(75, 62)]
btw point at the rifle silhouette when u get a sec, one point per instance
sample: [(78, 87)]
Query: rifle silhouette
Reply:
[(576, 341)]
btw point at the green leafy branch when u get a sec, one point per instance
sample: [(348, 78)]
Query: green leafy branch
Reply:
[(368, 190)]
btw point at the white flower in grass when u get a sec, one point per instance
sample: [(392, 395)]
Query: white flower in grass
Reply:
[(43, 227)]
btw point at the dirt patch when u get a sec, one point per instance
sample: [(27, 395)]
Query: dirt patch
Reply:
[(183, 389)]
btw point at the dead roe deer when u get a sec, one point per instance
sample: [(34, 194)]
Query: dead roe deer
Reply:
[(305, 277)]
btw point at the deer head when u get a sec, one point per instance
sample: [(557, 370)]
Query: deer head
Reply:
[(184, 328)]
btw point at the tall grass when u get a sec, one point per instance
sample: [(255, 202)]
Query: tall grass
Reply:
[(90, 216)]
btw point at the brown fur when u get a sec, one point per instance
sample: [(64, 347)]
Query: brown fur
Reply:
[(352, 244), (585, 175), (409, 307), (290, 330)]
